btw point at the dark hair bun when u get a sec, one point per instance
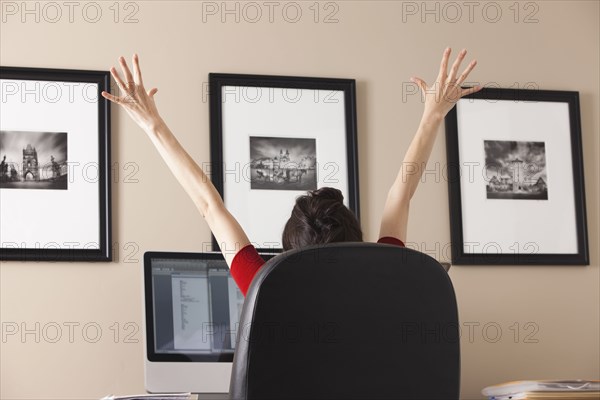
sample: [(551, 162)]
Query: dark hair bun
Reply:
[(327, 193), (318, 217)]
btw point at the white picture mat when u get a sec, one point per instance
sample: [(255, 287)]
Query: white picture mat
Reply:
[(536, 226), (318, 114), (45, 218)]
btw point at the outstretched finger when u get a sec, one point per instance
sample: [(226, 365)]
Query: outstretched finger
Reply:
[(456, 65), (117, 78), (136, 70), (152, 92), (420, 83), (466, 72), (444, 65), (126, 71), (111, 97)]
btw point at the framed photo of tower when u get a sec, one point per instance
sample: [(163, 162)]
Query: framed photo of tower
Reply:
[(54, 165), (273, 138), (515, 178)]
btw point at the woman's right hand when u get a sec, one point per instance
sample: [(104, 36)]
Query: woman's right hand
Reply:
[(138, 102), (446, 90)]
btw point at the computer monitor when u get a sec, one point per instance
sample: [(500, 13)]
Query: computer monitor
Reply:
[(192, 309)]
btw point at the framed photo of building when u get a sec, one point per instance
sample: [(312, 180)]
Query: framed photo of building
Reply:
[(54, 165), (515, 178), (273, 138)]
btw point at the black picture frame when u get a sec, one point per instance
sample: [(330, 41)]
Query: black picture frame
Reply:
[(60, 96), (322, 90), (553, 119)]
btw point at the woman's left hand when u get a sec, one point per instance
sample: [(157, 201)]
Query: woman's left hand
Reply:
[(138, 102)]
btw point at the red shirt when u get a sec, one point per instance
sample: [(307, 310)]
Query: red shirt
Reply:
[(247, 262)]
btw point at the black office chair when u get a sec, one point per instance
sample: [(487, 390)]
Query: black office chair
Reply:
[(350, 320)]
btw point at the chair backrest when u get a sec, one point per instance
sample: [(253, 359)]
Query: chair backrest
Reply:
[(350, 320)]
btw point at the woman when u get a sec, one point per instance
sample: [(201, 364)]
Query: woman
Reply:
[(318, 217)]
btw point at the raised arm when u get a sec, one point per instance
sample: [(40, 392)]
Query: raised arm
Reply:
[(140, 105), (439, 99)]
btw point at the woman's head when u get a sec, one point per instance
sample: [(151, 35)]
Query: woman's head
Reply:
[(320, 217)]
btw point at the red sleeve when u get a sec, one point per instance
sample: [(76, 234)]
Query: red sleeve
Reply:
[(245, 265), (391, 240)]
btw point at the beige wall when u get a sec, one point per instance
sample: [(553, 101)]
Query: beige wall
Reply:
[(372, 42)]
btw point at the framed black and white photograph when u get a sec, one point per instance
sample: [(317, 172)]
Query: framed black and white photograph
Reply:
[(54, 165), (516, 182), (273, 138)]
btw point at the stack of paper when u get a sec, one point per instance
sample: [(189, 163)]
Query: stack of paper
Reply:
[(542, 390)]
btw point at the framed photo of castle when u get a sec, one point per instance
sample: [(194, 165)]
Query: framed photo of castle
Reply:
[(273, 138), (54, 165), (515, 178)]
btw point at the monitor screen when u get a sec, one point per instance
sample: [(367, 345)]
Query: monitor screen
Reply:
[(193, 307)]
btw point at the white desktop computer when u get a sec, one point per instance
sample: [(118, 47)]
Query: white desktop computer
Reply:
[(192, 309)]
